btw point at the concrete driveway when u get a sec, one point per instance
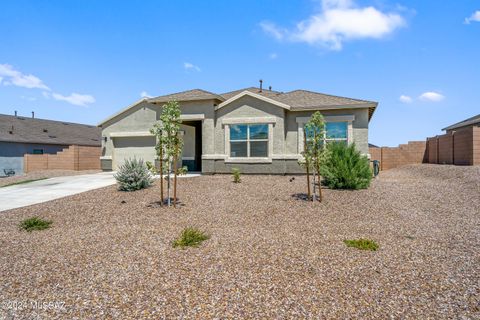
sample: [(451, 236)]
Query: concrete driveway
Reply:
[(45, 190)]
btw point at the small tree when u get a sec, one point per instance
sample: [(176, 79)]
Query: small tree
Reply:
[(315, 153), (169, 145)]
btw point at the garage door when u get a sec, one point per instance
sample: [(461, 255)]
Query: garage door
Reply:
[(133, 147)]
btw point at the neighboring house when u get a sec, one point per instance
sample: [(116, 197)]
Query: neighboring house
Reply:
[(470, 122), (255, 130), (25, 135)]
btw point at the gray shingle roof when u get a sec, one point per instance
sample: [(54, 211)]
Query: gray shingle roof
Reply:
[(306, 100), (298, 100), (29, 130), (467, 122), (189, 95)]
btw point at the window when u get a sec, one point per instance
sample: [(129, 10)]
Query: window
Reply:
[(249, 141), (334, 132), (37, 151)]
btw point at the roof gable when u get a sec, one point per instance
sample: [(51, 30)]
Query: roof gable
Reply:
[(254, 95)]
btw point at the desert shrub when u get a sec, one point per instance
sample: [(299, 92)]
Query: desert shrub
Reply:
[(362, 244), (190, 237), (151, 167), (133, 175), (182, 171), (346, 168), (35, 223), (236, 175)]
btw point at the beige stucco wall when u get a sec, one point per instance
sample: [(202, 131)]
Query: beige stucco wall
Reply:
[(248, 107), (360, 127), (188, 149)]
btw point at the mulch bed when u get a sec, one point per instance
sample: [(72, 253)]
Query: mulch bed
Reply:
[(109, 254)]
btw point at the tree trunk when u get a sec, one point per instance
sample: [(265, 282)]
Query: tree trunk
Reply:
[(307, 164), (161, 175), (175, 178), (168, 182), (320, 197)]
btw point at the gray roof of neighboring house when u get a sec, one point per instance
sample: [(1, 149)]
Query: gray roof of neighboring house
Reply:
[(467, 122), (189, 95), (31, 130)]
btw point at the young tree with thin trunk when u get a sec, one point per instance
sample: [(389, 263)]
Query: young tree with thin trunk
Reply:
[(315, 152), (169, 144)]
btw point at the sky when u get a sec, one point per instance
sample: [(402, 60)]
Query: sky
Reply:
[(82, 61)]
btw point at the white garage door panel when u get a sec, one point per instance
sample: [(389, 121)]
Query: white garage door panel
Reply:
[(133, 147)]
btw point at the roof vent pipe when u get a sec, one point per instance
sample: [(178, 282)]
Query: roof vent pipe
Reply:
[(15, 113), (261, 82), (33, 114)]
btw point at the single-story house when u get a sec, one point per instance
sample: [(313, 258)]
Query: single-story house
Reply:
[(29, 135), (255, 130)]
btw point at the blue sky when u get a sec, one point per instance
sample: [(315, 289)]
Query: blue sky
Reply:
[(81, 61)]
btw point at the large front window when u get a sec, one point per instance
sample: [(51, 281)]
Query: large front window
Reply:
[(249, 141)]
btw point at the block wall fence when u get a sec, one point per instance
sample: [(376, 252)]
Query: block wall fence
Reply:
[(461, 147), (72, 158)]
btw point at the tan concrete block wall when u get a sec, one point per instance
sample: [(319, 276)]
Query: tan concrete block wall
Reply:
[(461, 147), (445, 149), (393, 157), (71, 158), (476, 146)]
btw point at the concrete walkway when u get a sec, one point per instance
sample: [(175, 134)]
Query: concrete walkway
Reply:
[(45, 190)]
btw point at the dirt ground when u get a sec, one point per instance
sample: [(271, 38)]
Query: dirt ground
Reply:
[(270, 255)]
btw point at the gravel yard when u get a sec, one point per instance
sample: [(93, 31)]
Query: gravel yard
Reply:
[(42, 174), (269, 256)]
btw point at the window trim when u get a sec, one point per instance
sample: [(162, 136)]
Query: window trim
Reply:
[(229, 159)]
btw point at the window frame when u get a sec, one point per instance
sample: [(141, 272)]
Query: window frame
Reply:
[(248, 140), (270, 121)]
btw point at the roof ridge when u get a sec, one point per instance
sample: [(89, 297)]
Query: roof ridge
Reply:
[(331, 95)]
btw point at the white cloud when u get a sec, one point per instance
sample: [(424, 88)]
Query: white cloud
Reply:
[(272, 30), (17, 78), (144, 94), (189, 66), (405, 99), (46, 94), (474, 17), (431, 96), (273, 56), (75, 99), (339, 21)]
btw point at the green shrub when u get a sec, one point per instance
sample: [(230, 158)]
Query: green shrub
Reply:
[(35, 223), (151, 167), (236, 175), (133, 175), (362, 244), (346, 168), (190, 237)]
